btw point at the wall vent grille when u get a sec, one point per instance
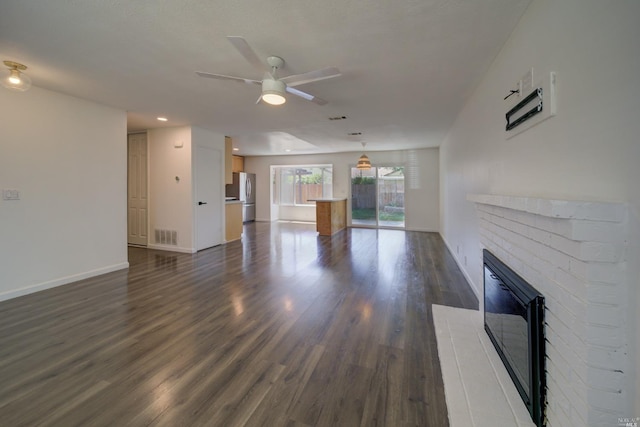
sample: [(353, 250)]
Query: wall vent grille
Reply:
[(166, 237)]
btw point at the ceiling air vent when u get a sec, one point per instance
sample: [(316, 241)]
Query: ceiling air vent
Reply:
[(354, 133), (338, 118)]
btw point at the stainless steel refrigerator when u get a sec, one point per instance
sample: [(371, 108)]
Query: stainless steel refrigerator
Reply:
[(243, 189)]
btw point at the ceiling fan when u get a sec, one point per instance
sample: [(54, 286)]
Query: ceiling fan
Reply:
[(274, 88)]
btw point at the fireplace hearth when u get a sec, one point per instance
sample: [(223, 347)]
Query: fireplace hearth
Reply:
[(514, 321)]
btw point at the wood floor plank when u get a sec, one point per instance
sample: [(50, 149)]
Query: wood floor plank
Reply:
[(282, 328), (238, 402), (345, 404), (274, 410), (383, 404)]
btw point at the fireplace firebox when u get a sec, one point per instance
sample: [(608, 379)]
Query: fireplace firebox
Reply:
[(514, 321)]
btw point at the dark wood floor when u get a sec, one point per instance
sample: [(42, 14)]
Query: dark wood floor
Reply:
[(281, 329)]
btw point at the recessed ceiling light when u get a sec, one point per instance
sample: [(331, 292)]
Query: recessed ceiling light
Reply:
[(236, 149), (162, 119), (287, 150)]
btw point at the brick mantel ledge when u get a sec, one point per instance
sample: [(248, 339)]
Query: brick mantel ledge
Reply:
[(563, 209)]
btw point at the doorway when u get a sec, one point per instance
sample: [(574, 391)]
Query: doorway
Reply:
[(377, 197), (137, 196), (208, 197)]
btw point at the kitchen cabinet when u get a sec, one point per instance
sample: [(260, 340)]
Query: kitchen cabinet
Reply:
[(331, 216), (233, 215), (238, 163)]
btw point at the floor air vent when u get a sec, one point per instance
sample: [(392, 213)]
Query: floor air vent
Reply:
[(166, 237)]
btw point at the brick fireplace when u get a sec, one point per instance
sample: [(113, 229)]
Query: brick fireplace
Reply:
[(574, 252)]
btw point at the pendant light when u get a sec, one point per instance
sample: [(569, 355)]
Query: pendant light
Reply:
[(363, 161), (14, 78)]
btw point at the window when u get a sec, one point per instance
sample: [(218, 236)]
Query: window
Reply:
[(300, 184)]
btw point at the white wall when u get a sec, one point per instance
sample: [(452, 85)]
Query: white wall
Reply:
[(68, 159), (421, 181), (589, 151), (171, 201), (296, 213)]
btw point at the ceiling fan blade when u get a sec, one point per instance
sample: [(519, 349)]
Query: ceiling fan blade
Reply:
[(248, 53), (311, 76), (306, 96), (223, 77)]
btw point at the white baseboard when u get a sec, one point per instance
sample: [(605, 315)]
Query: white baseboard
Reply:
[(463, 270), (424, 230), (172, 249), (61, 281)]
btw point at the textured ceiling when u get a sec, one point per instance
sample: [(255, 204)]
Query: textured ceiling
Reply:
[(407, 65)]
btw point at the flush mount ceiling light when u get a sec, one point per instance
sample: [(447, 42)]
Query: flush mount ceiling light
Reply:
[(363, 162), (14, 78)]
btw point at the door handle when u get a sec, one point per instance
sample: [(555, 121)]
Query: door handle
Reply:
[(202, 203)]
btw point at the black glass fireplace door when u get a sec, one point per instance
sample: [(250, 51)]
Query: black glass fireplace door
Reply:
[(514, 320)]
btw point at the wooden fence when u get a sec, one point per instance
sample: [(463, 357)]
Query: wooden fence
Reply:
[(391, 194)]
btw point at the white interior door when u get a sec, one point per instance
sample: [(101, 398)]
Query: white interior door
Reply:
[(137, 189), (209, 197)]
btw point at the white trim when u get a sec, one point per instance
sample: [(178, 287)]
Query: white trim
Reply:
[(423, 230), (172, 249), (463, 269), (62, 281), (561, 209)]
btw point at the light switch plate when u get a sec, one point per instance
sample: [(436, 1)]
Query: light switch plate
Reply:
[(527, 83), (10, 195)]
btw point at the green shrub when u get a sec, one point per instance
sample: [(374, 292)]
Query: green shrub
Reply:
[(363, 180)]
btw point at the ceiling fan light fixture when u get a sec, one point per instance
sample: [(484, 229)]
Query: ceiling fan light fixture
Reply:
[(273, 92), (273, 98), (14, 78)]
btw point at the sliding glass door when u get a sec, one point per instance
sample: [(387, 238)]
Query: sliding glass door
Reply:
[(377, 197), (363, 197)]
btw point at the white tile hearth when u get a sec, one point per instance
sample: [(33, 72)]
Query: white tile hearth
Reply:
[(478, 389)]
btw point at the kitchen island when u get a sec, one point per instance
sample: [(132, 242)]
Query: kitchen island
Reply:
[(331, 216)]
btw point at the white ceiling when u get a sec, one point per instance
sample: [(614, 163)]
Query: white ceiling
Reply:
[(407, 65)]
